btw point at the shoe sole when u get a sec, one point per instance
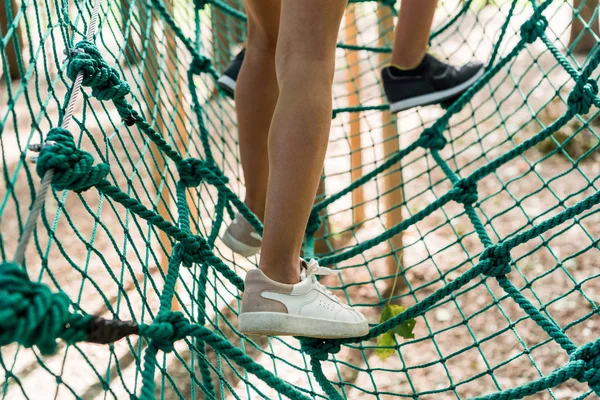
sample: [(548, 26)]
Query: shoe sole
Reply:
[(279, 324), (434, 98), (238, 247), (227, 84)]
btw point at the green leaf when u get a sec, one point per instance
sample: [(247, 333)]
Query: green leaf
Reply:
[(406, 328), (384, 349)]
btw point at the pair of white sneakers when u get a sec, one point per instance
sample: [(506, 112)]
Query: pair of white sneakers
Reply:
[(304, 309)]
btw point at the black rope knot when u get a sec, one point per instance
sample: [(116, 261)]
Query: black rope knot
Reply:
[(582, 96), (73, 168), (200, 64), (319, 349), (465, 192), (533, 28), (193, 171), (433, 138), (590, 354), (167, 328), (498, 259)]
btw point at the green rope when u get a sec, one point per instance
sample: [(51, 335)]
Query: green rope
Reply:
[(32, 315)]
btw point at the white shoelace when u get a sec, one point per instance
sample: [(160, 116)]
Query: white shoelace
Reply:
[(312, 269)]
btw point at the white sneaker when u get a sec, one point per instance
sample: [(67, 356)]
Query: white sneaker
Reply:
[(305, 309)]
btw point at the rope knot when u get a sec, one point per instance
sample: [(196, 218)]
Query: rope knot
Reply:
[(200, 4), (31, 315), (433, 138), (498, 258), (319, 349), (97, 74), (590, 354), (200, 64), (194, 252), (167, 328), (533, 28), (193, 171), (465, 192), (73, 168), (582, 96), (314, 222)]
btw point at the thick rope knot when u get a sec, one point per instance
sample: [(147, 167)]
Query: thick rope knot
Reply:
[(193, 171), (195, 252), (498, 258), (314, 222), (590, 354), (167, 328), (433, 138), (533, 28), (73, 168), (31, 315), (200, 64), (465, 192), (319, 349), (104, 80), (97, 74), (582, 96)]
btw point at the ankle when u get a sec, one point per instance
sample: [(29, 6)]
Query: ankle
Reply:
[(257, 208), (288, 272)]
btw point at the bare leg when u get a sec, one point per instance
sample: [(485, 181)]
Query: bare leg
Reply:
[(255, 97), (412, 32), (305, 62)]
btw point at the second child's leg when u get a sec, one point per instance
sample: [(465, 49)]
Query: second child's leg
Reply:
[(412, 32)]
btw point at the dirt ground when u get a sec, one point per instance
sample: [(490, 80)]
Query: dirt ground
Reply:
[(474, 342)]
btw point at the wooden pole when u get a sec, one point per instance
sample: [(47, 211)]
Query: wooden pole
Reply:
[(14, 46), (587, 41), (391, 144), (352, 87)]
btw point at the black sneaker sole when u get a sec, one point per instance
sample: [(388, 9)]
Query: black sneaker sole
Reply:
[(436, 97)]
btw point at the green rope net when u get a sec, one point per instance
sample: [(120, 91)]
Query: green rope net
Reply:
[(467, 234)]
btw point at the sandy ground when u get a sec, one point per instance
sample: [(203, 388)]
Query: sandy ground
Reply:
[(475, 342)]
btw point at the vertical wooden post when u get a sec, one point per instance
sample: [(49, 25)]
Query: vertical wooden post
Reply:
[(10, 51), (587, 41), (391, 144), (352, 87)]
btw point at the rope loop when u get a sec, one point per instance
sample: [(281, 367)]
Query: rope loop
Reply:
[(589, 353), (193, 171), (465, 192), (73, 168), (319, 349), (533, 28), (200, 63), (433, 138), (583, 96), (497, 259), (31, 315), (167, 328)]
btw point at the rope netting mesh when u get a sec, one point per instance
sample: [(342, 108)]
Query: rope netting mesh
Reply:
[(480, 218)]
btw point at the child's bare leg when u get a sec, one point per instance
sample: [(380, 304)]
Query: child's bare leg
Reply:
[(412, 32), (255, 97), (305, 63)]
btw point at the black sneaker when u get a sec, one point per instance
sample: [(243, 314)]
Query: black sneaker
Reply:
[(432, 82), (229, 77)]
